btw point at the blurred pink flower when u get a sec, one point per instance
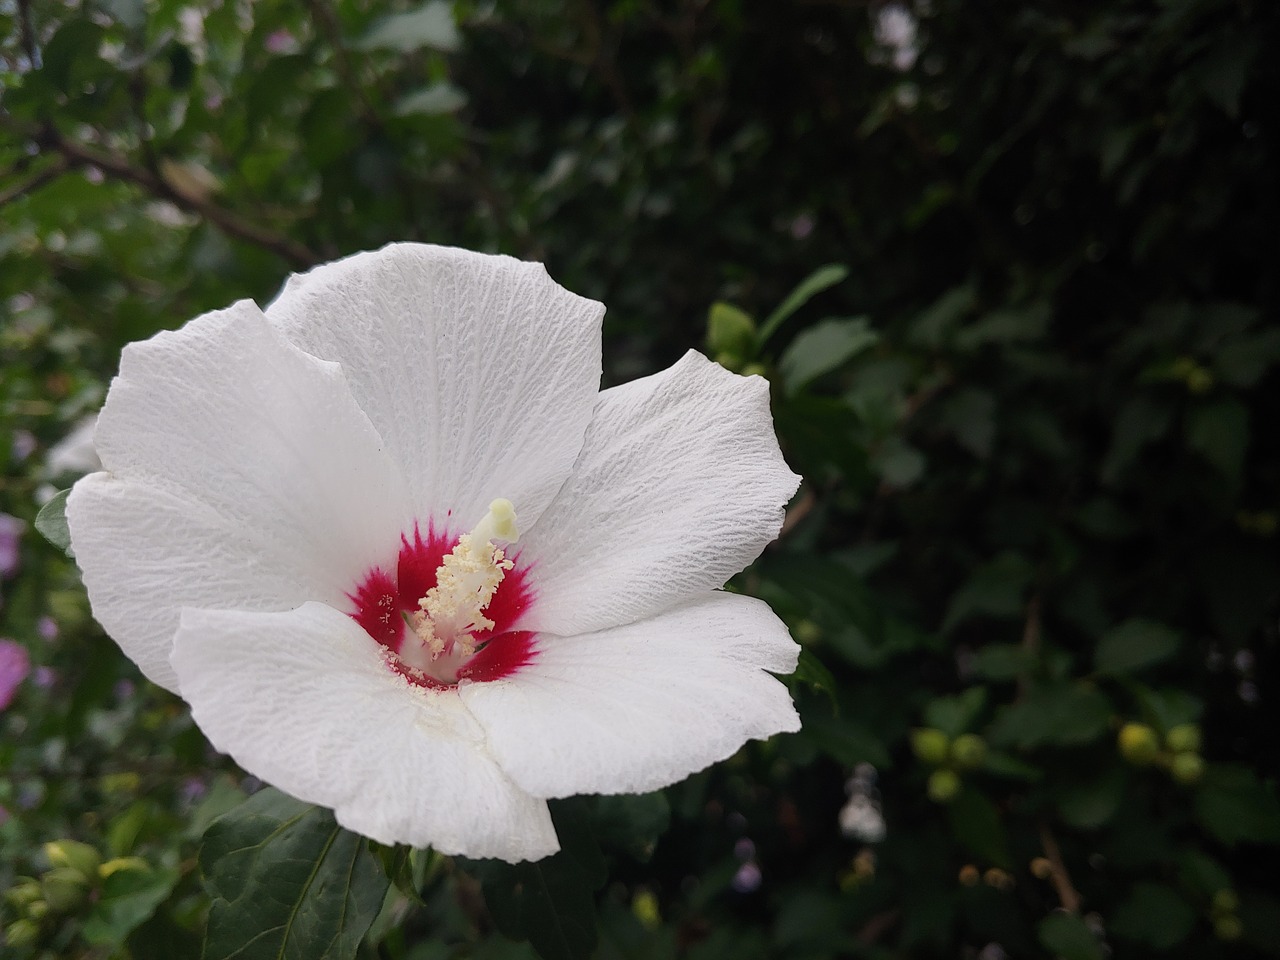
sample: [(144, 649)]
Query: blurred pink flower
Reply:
[(15, 664)]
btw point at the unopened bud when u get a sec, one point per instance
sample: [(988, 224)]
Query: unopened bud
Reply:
[(930, 745), (74, 855), (1186, 767), (22, 933), (943, 786), (64, 888), (1138, 743), (1184, 738), (969, 751)]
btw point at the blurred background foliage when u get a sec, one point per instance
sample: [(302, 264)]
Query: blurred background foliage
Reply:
[(1012, 271)]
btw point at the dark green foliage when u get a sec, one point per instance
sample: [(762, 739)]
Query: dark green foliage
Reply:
[(1018, 301)]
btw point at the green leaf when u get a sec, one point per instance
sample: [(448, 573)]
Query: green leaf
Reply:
[(1011, 325), (730, 330), (1155, 915), (633, 822), (956, 715), (995, 589), (1067, 936), (287, 882), (1001, 661), (1165, 709), (1219, 432), (1242, 361), (550, 902), (430, 25), (1235, 806), (1133, 645), (1092, 803), (814, 672), (1064, 715), (438, 98), (127, 899), (806, 290), (898, 463), (976, 823), (51, 522), (823, 348)]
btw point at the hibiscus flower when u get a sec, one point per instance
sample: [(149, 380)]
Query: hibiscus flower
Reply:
[(404, 559)]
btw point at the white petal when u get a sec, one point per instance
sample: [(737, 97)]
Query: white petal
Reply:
[(239, 474), (680, 485), (305, 701), (634, 708), (480, 371)]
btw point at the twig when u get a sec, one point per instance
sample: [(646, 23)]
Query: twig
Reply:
[(78, 154), (1067, 894), (33, 183), (27, 34), (1030, 639)]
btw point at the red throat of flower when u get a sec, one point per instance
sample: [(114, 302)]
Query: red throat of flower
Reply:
[(446, 613)]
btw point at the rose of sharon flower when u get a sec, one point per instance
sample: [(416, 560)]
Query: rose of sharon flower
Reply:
[(404, 558)]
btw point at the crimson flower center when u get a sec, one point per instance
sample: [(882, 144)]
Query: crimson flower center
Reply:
[(448, 610)]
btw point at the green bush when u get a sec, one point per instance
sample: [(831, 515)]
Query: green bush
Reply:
[(1014, 286)]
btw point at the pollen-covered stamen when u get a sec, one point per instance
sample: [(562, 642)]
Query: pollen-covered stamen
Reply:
[(453, 610)]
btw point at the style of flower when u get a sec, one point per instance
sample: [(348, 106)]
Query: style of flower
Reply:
[(405, 560)]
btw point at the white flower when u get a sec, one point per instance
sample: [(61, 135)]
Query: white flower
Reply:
[(277, 536)]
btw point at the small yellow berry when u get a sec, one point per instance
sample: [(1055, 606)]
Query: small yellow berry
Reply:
[(943, 786), (1138, 743), (931, 746), (969, 751), (1184, 738), (1186, 767)]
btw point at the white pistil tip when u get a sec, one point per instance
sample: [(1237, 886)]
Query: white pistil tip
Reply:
[(500, 523)]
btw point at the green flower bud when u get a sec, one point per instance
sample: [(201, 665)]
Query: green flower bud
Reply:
[(1225, 901), (64, 888), (1184, 738), (931, 746), (1138, 743), (1228, 927), (37, 910), (806, 632), (943, 786), (731, 331), (1186, 767), (969, 751), (22, 933), (22, 892), (74, 855)]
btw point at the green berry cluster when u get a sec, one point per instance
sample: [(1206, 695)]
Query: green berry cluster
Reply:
[(1179, 753), (951, 757)]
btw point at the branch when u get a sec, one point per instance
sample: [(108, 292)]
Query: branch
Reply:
[(77, 154), (1067, 894), (31, 184), (27, 34)]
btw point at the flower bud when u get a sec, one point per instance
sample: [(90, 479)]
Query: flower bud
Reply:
[(730, 331), (969, 751), (1228, 927), (1184, 738), (1138, 743), (22, 892), (1225, 901), (969, 875), (64, 888), (1186, 767), (930, 745), (943, 786), (22, 933), (74, 855)]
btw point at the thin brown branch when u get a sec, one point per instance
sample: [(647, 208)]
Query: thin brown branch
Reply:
[(78, 154), (1067, 894), (27, 33), (1030, 640), (35, 182)]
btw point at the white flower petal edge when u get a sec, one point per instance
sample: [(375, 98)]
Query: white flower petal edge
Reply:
[(680, 485), (238, 474), (635, 708), (304, 700), (480, 371)]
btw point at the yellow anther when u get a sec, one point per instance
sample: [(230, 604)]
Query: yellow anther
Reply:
[(453, 610)]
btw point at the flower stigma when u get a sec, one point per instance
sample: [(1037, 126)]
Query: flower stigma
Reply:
[(453, 611)]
